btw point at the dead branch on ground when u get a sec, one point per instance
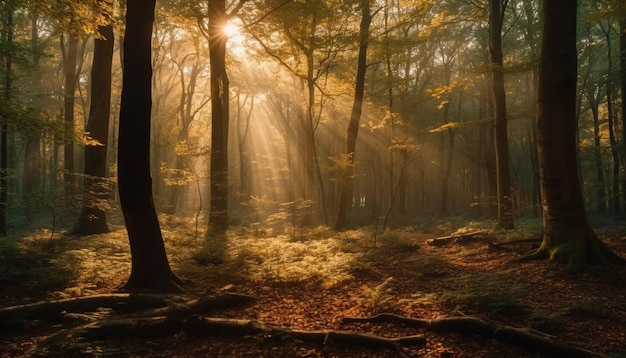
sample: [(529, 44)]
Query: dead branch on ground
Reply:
[(526, 337)]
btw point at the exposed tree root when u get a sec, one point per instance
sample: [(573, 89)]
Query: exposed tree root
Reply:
[(204, 326), (526, 337), (587, 248), (148, 305), (166, 315), (512, 242), (22, 316)]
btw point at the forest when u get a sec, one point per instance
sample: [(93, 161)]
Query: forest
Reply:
[(313, 178)]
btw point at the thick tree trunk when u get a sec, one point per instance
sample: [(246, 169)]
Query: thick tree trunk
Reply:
[(150, 268), (92, 219), (218, 215), (567, 235), (505, 202), (347, 183)]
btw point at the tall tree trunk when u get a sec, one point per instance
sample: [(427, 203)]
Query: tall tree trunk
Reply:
[(32, 152), (597, 153), (150, 268), (218, 215), (347, 182), (447, 152), (187, 115), (567, 234), (70, 58), (243, 128), (92, 218), (505, 202), (614, 197), (4, 126), (622, 60)]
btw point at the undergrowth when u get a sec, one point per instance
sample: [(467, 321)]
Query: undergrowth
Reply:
[(474, 293)]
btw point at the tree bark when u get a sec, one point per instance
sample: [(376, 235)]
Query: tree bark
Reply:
[(567, 234), (347, 182), (622, 60), (70, 61), (92, 219), (505, 203), (220, 95), (4, 126), (32, 152), (150, 268), (614, 197)]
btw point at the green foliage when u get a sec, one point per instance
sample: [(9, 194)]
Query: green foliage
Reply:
[(378, 298), (321, 257), (476, 292), (81, 17), (464, 124), (291, 213), (34, 261)]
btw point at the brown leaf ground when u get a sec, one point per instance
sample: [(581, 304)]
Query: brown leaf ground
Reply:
[(312, 279)]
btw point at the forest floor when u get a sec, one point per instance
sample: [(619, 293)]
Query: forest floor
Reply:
[(312, 279)]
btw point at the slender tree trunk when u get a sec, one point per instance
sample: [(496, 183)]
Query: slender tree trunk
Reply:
[(243, 128), (4, 126), (218, 215), (614, 198), (622, 60), (92, 218), (347, 183), (505, 202), (71, 56), (447, 152), (150, 268), (567, 234), (32, 152), (597, 155), (187, 115)]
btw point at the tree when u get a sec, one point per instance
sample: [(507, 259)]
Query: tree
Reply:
[(505, 203), (309, 49), (92, 219), (31, 182), (150, 268), (188, 109), (72, 68), (622, 80), (567, 234), (346, 188), (220, 96), (7, 38)]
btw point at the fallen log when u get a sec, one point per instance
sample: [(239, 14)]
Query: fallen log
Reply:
[(525, 337)]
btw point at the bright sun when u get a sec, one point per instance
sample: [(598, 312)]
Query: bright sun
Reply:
[(231, 30)]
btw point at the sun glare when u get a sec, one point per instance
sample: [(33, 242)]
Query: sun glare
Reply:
[(231, 30)]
